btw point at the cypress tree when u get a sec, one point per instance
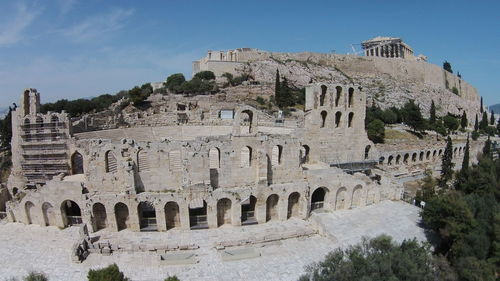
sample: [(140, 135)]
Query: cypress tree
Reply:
[(277, 85), (432, 118), (6, 129), (284, 94), (492, 119), (463, 175), (484, 122), (498, 127), (476, 125), (487, 148), (446, 164), (463, 121), (481, 108), (465, 161)]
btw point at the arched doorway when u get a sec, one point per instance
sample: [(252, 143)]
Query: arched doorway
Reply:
[(340, 201), (198, 214), (318, 198), (147, 216), (223, 211), (304, 154), (122, 216), (71, 213), (29, 206), (99, 216), (293, 205), (246, 122), (77, 163), (356, 196), (272, 207), (172, 215), (48, 214), (248, 211)]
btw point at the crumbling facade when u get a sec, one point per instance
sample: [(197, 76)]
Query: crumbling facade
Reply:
[(239, 167)]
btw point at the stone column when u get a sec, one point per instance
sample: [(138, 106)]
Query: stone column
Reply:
[(111, 220), (184, 215), (283, 209), (377, 51), (236, 213), (212, 214), (161, 221), (260, 212), (58, 218), (134, 219)]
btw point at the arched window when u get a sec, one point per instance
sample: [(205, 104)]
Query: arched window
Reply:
[(304, 154), (338, 95), (246, 156), (323, 95), (398, 159), (246, 121), (338, 116), (350, 119), (367, 151), (405, 159), (277, 153), (142, 161), (389, 160), (414, 157), (350, 97), (323, 118), (77, 163), (54, 119), (214, 158), (111, 164)]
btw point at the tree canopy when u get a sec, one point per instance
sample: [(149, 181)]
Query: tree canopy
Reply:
[(412, 116)]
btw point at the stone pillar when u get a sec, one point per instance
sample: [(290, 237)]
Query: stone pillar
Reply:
[(260, 211), (161, 221), (236, 213), (376, 52), (184, 215), (282, 209), (212, 214), (111, 224), (58, 218), (134, 219)]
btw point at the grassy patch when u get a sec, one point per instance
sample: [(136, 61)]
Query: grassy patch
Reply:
[(391, 134)]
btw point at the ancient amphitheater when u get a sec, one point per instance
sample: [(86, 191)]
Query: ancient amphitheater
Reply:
[(201, 162)]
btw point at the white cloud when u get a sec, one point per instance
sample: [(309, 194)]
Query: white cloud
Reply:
[(97, 26), (13, 31), (66, 5)]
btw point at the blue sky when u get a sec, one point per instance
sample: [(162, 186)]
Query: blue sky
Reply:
[(70, 48)]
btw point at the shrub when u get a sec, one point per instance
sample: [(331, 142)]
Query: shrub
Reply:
[(260, 100), (475, 135), (174, 82), (205, 75), (172, 278), (455, 90), (35, 276), (110, 273), (376, 131)]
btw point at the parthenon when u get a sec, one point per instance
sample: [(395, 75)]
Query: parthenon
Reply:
[(387, 47)]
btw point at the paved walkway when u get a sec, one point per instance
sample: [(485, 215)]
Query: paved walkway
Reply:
[(47, 249)]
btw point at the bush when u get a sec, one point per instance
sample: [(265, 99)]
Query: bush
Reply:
[(110, 273), (204, 75), (197, 85), (174, 82), (376, 131), (475, 135), (260, 100), (139, 95), (35, 276), (172, 278), (451, 123), (455, 90)]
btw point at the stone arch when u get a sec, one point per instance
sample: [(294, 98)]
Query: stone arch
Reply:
[(414, 157), (248, 211), (389, 160), (223, 211), (147, 216), (455, 150), (214, 158), (77, 163), (421, 156), (338, 117), (460, 151), (143, 161), (405, 158), (338, 95), (381, 160), (434, 153), (293, 205), (304, 154), (440, 152), (367, 151), (121, 216), (246, 120), (318, 198), (277, 155), (110, 162), (246, 156), (323, 118), (172, 215), (48, 214), (323, 95), (341, 199), (54, 119), (198, 214), (99, 216), (71, 213), (272, 207), (357, 196), (398, 159), (29, 207), (350, 99), (39, 124), (350, 119), (428, 155), (27, 122)]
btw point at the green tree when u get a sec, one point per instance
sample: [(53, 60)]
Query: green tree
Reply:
[(35, 276), (412, 116), (284, 97), (464, 121), (476, 125), (139, 95), (432, 118), (439, 127), (481, 106), (6, 129), (110, 273), (498, 127), (205, 75), (447, 66), (474, 269), (492, 118), (446, 164), (376, 259), (174, 82), (172, 278), (376, 131), (487, 148), (451, 123), (484, 122), (466, 159)]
